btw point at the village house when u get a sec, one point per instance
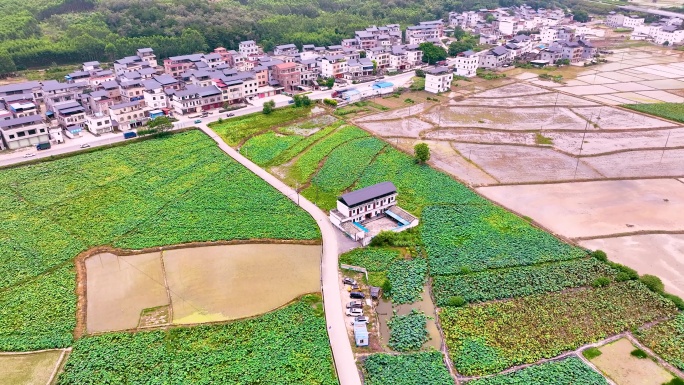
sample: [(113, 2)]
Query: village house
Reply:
[(195, 99), (23, 132), (333, 66), (98, 123), (466, 64), (495, 58), (248, 48), (285, 49), (128, 115), (438, 79)]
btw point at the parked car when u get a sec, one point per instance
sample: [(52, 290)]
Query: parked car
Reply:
[(357, 295), (43, 146), (197, 121), (356, 304), (129, 135), (361, 318), (229, 115), (354, 312), (354, 286), (349, 281), (86, 145), (29, 155)]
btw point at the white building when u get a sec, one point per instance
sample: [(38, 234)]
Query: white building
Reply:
[(466, 64), (248, 48), (617, 20), (23, 132), (668, 34), (438, 79), (495, 58), (334, 66), (126, 116), (98, 123)]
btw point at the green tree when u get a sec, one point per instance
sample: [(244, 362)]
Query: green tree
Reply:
[(306, 101), (580, 15), (422, 152), (110, 52), (490, 18), (297, 100), (459, 33), (432, 53), (420, 73), (362, 54), (268, 107), (460, 46), (6, 63), (375, 67)]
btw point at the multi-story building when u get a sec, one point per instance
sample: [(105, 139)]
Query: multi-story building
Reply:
[(23, 132), (248, 48), (379, 56), (668, 34), (571, 50), (195, 99), (496, 57), (128, 64), (365, 40), (359, 69), (55, 92), (126, 116), (286, 49), (438, 79), (466, 64), (70, 115), (176, 65), (288, 76), (147, 55), (132, 90), (424, 31), (154, 95), (98, 123), (21, 108), (98, 102), (333, 66), (618, 20)]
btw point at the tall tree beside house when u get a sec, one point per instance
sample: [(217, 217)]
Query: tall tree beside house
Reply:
[(459, 33), (375, 67), (432, 53), (268, 107), (6, 64), (422, 152), (580, 15)]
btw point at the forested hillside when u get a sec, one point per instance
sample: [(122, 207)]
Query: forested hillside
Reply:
[(37, 33)]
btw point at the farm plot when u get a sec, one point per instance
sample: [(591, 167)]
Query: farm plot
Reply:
[(234, 130), (667, 340), (264, 148), (425, 368), (570, 371), (289, 345), (639, 163), (409, 127), (519, 281), (218, 283), (156, 192), (506, 119), (480, 340), (405, 112), (603, 142), (482, 136), (476, 237), (120, 288), (513, 164), (614, 118), (625, 369), (28, 369), (661, 255), (672, 111), (516, 89), (595, 211), (549, 99)]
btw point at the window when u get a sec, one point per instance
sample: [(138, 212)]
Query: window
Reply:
[(21, 133), (42, 130), (99, 124), (11, 136), (32, 132)]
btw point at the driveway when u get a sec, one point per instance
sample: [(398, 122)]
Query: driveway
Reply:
[(345, 364)]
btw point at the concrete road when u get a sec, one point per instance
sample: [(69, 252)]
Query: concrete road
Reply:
[(345, 364)]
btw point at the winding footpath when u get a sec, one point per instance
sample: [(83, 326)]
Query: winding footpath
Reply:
[(343, 357)]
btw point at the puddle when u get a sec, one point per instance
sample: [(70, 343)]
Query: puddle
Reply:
[(385, 312)]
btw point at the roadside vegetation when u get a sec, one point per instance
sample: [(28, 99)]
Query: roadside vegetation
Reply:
[(672, 111), (426, 368), (565, 372)]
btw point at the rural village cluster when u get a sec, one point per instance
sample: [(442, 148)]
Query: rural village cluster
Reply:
[(329, 209)]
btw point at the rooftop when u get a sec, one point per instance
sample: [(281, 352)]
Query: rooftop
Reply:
[(367, 194)]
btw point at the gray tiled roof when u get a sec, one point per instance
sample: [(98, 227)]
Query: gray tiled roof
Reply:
[(368, 194)]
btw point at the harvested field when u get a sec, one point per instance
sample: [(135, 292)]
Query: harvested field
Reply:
[(410, 127), (469, 135), (516, 89), (506, 119), (119, 288), (397, 114), (619, 365), (219, 283), (590, 209), (589, 90), (28, 369), (629, 86), (599, 143), (548, 99), (615, 118), (661, 255), (514, 164), (654, 163)]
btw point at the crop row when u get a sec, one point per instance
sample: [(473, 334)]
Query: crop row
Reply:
[(346, 163), (193, 192), (519, 281), (570, 371), (373, 259), (234, 130), (672, 111), (425, 368), (307, 164), (467, 238), (490, 337), (300, 146), (407, 278), (287, 346), (407, 332), (667, 340), (262, 149)]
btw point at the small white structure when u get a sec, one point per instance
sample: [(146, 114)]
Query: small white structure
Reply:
[(360, 334), (99, 123), (466, 64), (438, 79), (363, 213)]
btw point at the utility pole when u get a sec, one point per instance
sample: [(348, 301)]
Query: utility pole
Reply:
[(582, 146), (666, 140)]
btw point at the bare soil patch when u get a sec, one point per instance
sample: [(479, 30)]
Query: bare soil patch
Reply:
[(547, 99), (28, 369), (220, 283), (516, 89), (120, 287), (603, 142), (634, 164), (410, 127), (599, 208), (469, 135), (616, 118), (412, 109), (661, 255), (506, 119), (518, 164), (625, 369)]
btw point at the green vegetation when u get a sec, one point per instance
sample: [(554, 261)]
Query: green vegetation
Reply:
[(569, 371), (591, 353), (473, 237), (425, 368), (666, 339), (525, 330), (373, 259), (432, 53), (165, 191), (638, 353), (541, 139), (234, 130), (264, 148), (553, 78), (489, 75), (519, 281), (675, 381), (672, 111), (417, 84), (407, 277), (300, 146), (289, 345), (653, 283), (407, 332), (346, 163), (421, 152)]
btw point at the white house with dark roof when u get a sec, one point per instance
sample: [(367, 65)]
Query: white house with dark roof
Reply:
[(23, 132), (496, 57), (466, 64), (438, 79), (363, 213)]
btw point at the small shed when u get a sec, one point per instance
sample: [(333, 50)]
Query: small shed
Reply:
[(375, 292), (361, 333)]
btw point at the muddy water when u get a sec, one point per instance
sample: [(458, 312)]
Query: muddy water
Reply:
[(385, 311), (219, 283)]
